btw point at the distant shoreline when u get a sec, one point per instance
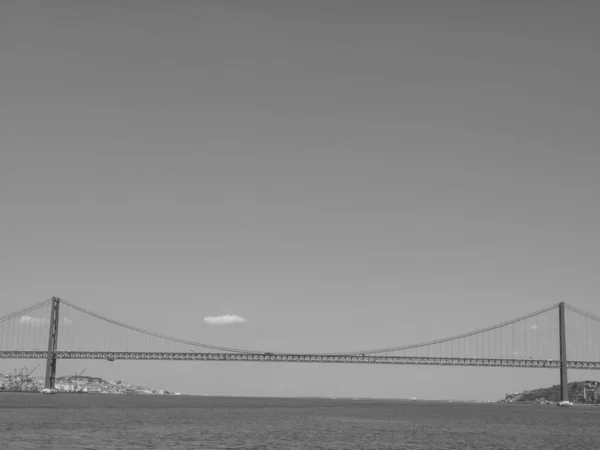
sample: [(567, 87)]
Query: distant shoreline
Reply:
[(332, 400), (353, 399)]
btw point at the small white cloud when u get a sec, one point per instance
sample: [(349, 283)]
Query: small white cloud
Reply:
[(33, 321), (534, 327), (224, 320), (516, 352), (67, 322)]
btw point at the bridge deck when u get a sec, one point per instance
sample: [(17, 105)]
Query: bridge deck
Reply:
[(305, 358)]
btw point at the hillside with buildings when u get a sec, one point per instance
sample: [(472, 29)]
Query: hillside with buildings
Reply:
[(24, 381), (95, 385), (583, 392)]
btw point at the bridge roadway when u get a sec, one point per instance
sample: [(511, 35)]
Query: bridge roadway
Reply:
[(305, 358)]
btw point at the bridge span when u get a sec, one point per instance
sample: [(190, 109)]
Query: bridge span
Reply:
[(558, 337)]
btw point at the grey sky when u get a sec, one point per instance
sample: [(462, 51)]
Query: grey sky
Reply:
[(343, 175)]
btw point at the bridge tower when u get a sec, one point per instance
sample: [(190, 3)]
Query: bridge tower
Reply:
[(562, 336), (52, 345)]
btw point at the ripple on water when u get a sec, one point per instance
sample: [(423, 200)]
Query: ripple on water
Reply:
[(154, 422)]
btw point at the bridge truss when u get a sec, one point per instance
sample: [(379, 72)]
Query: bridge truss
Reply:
[(305, 358)]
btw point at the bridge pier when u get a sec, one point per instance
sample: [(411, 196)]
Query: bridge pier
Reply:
[(52, 345), (562, 336)]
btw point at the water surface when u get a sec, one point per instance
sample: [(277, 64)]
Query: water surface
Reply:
[(34, 421)]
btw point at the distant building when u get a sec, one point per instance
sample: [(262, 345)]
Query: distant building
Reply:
[(591, 392)]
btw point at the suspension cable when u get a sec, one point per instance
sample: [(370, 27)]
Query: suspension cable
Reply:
[(26, 310), (452, 338), (583, 313), (151, 333), (381, 350)]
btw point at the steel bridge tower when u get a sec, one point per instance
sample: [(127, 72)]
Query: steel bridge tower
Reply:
[(52, 345), (562, 337)]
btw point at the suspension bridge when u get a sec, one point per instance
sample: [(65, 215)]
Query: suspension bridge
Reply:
[(558, 337)]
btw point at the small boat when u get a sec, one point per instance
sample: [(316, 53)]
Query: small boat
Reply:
[(565, 403)]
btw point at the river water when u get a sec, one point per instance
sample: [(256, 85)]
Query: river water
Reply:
[(65, 422)]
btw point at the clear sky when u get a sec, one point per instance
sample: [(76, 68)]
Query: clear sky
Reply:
[(343, 175)]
